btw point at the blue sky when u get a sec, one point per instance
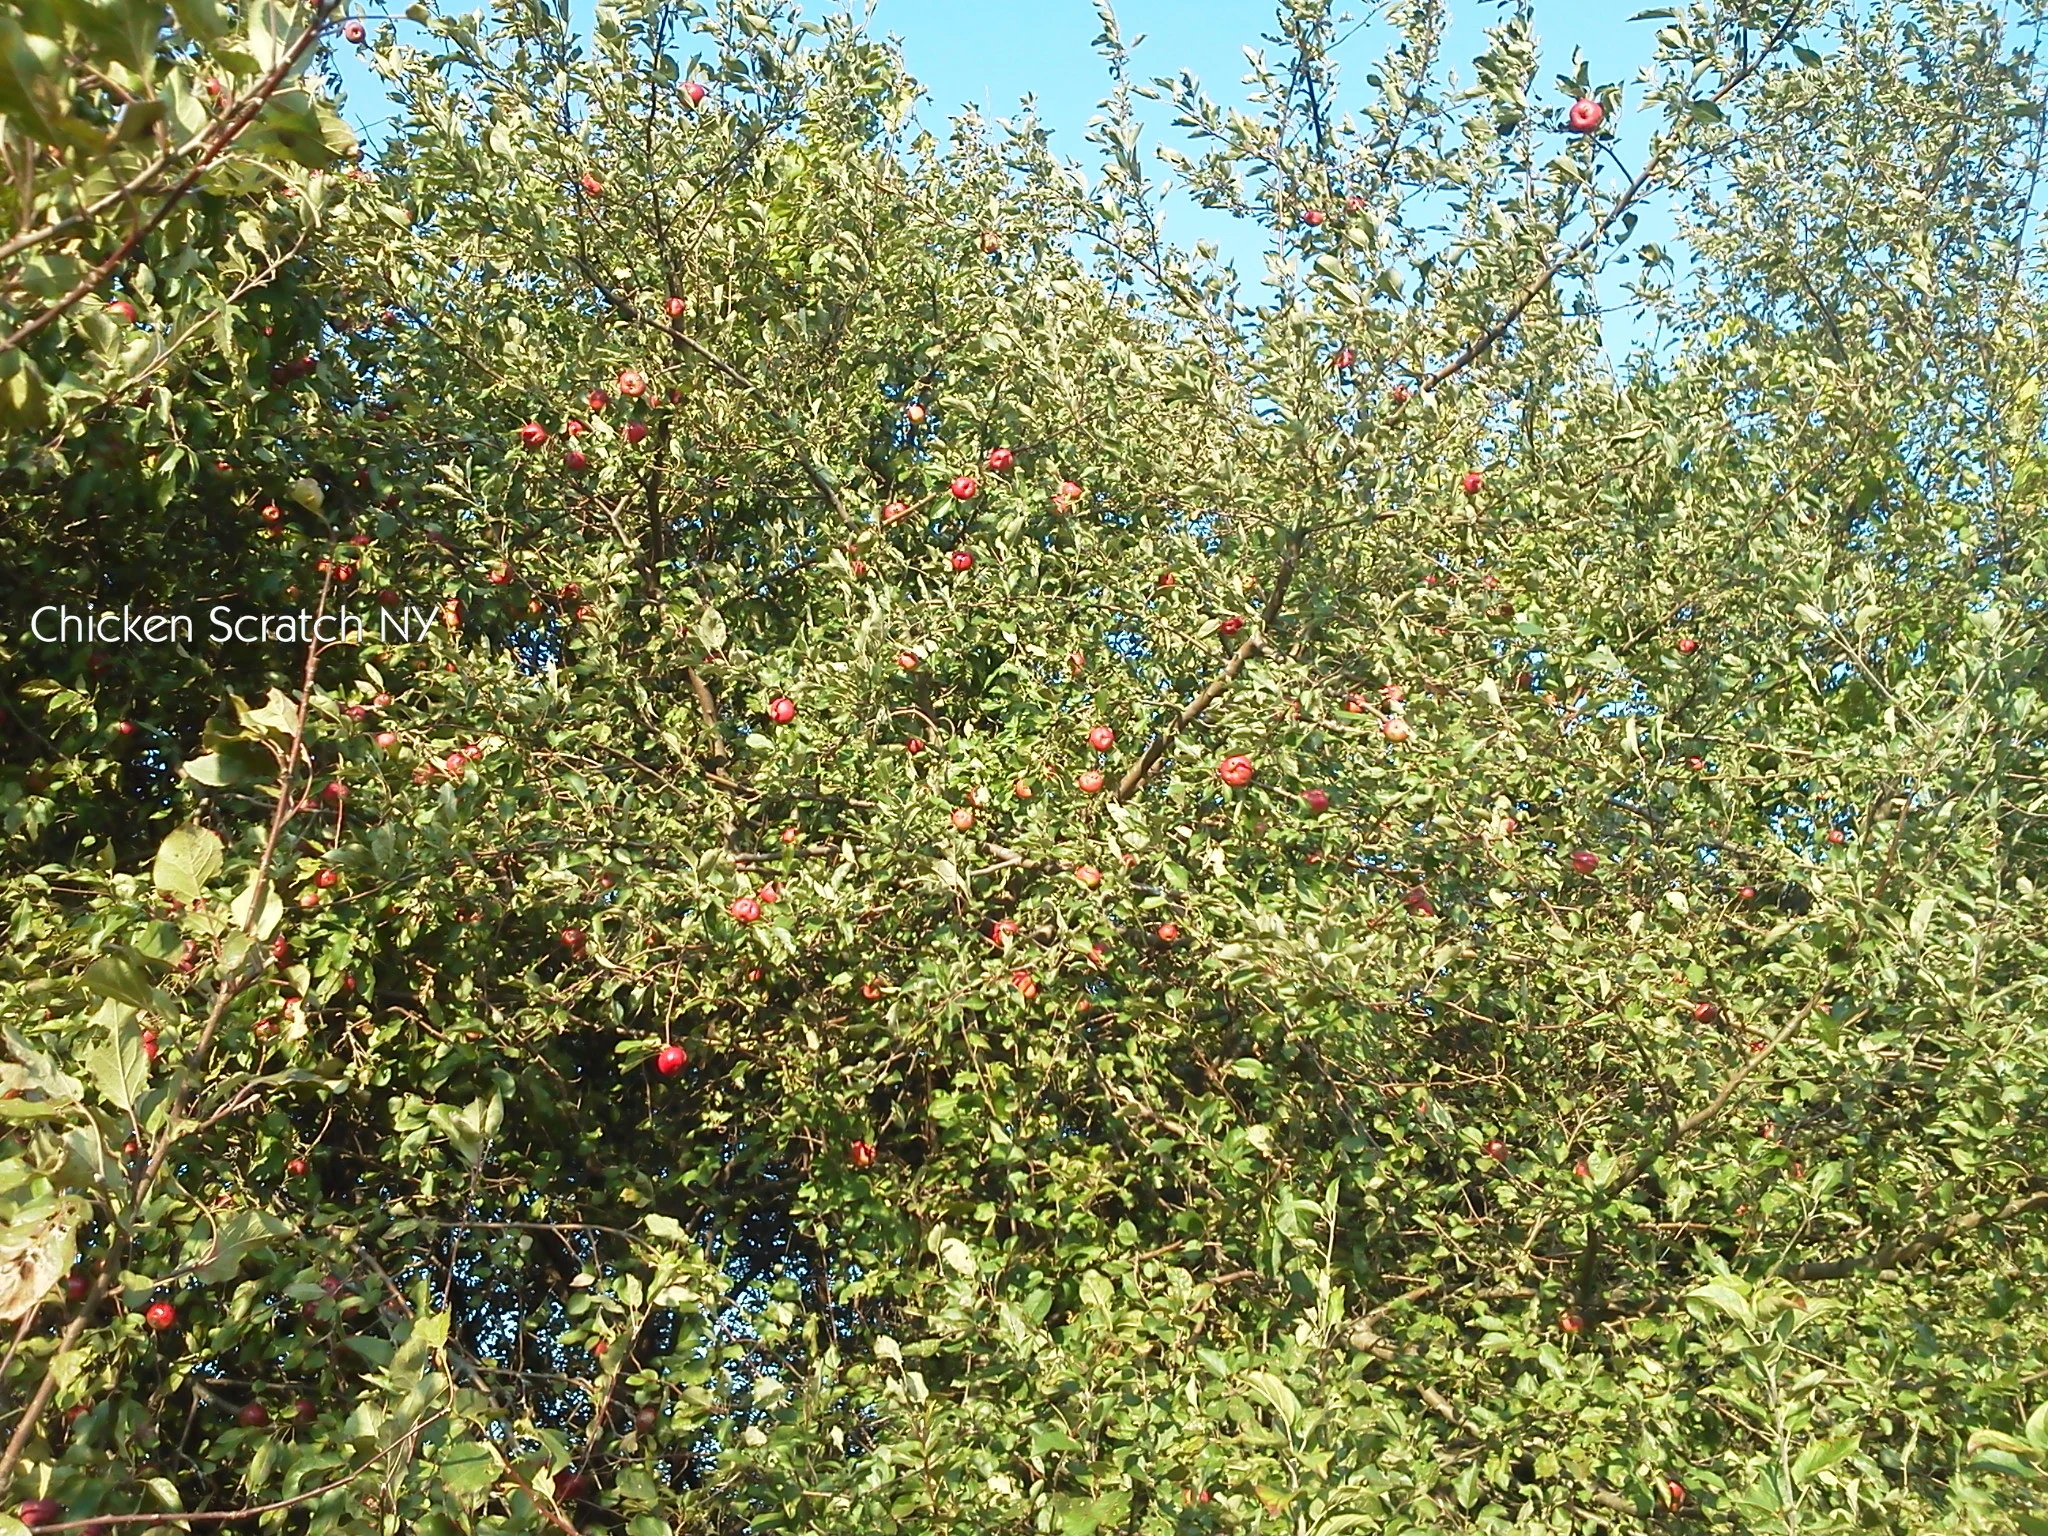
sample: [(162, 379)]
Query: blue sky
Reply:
[(992, 53)]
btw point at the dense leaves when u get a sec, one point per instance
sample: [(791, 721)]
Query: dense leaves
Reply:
[(971, 877)]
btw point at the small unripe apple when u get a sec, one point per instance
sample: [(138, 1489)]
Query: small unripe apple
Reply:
[(1090, 781), (160, 1315), (960, 560), (1101, 738), (1001, 461), (861, 1154), (964, 487), (1088, 875), (1471, 482), (782, 710), (962, 819), (533, 435), (1586, 115), (1236, 771), (1585, 861), (1317, 800), (670, 1060)]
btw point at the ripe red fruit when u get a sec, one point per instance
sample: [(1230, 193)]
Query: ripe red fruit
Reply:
[(960, 560), (963, 819), (1395, 729), (964, 487), (252, 1416), (76, 1287), (571, 1486), (1696, 764), (1088, 875), (591, 186), (1584, 861), (782, 710), (296, 1167), (632, 381), (326, 879), (1496, 1149), (674, 307), (646, 1418), (1416, 900), (532, 435), (1312, 216), (914, 413), (1065, 498), (1586, 115), (914, 746), (1230, 625), (354, 32), (636, 432), (894, 510), (1236, 771), (304, 1410), (160, 1315), (1746, 893), (574, 938), (857, 567), (670, 1060), (1165, 579), (1090, 781), (1687, 645), (576, 459), (1343, 358), (907, 660), (1582, 1169), (1674, 1492), (273, 514), (695, 91), (40, 1512), (597, 400), (121, 309), (386, 739), (1837, 836), (1571, 1322), (1021, 789), (1101, 738), (1167, 933), (1471, 482), (745, 909), (1001, 461), (861, 1154), (1706, 1013), (1317, 800)]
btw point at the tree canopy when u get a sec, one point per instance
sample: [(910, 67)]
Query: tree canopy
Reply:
[(975, 874)]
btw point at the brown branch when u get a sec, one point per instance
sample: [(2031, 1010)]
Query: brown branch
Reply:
[(1900, 1254), (232, 128)]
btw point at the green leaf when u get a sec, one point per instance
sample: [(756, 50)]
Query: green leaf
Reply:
[(259, 923), (123, 978), (116, 1065), (187, 861), (1821, 1455)]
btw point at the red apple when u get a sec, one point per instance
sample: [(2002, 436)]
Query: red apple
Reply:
[(695, 92), (1021, 789), (1416, 900), (915, 414), (532, 435), (1001, 931), (34, 1513), (576, 459), (327, 879), (1230, 625), (160, 1315), (296, 1167), (632, 382), (1471, 482), (1396, 729), (782, 710), (646, 1419), (670, 1060), (574, 428), (252, 1416), (574, 938), (1746, 893), (1066, 496), (960, 560), (861, 1154), (1585, 861), (597, 400), (635, 432), (121, 309), (76, 1287), (1586, 115), (745, 909), (1167, 933), (895, 510), (1837, 836), (1088, 875), (1496, 1149), (914, 746), (304, 1410), (1706, 1013), (386, 739), (1674, 1492), (1090, 781), (1343, 358), (591, 186), (1582, 1169), (1687, 645), (963, 819), (1312, 217), (1101, 738), (964, 487), (907, 660), (1001, 461), (354, 32), (1317, 800), (1236, 771), (1571, 1322)]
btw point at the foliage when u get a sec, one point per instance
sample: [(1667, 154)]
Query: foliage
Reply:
[(1614, 1107)]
